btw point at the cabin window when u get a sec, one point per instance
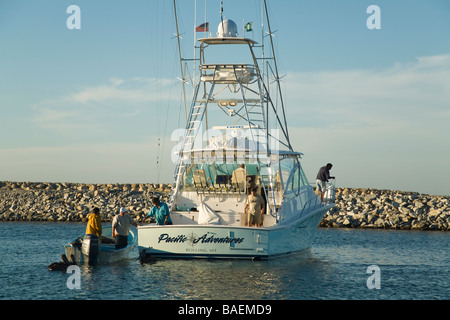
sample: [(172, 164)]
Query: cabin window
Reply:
[(286, 166), (294, 182), (303, 179), (297, 179), (203, 176)]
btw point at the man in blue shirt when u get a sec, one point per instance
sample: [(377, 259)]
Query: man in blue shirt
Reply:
[(160, 211)]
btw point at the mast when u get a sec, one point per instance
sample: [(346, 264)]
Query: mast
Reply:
[(183, 80), (277, 77)]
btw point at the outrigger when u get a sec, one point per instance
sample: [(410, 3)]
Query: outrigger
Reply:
[(220, 158)]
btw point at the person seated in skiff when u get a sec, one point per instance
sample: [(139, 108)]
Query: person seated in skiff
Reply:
[(160, 211), (94, 225)]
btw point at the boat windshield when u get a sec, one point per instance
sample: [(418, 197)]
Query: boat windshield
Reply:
[(221, 177), (292, 175), (285, 174)]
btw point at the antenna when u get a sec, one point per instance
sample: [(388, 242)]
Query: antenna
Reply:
[(221, 16)]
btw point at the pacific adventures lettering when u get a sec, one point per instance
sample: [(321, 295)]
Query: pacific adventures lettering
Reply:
[(203, 239)]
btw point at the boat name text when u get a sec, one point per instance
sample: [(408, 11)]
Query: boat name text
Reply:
[(206, 238)]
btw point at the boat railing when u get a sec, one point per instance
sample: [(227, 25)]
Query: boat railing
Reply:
[(323, 199), (234, 188), (228, 73)]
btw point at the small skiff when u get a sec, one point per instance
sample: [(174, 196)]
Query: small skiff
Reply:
[(80, 250)]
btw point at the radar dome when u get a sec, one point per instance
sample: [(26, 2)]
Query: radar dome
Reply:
[(227, 28)]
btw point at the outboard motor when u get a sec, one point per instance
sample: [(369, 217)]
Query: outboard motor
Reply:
[(90, 249)]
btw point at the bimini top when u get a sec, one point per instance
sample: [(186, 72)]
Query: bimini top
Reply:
[(289, 153), (227, 40)]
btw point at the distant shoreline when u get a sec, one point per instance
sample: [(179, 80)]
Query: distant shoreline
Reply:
[(355, 207)]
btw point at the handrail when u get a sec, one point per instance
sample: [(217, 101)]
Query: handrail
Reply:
[(323, 199)]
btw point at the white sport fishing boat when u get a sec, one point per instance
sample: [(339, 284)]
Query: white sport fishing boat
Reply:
[(210, 187)]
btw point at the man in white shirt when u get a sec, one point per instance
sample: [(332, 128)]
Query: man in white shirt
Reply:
[(121, 227)]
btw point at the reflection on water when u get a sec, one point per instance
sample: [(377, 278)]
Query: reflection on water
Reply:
[(205, 279), (235, 279)]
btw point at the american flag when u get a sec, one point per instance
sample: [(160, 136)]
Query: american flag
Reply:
[(204, 27)]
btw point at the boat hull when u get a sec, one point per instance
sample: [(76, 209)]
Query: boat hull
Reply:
[(107, 253), (229, 242)]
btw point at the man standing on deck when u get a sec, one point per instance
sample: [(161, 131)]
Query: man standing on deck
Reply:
[(160, 211), (255, 206), (121, 227), (322, 178)]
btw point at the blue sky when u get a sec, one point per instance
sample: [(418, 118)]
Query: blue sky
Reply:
[(99, 104)]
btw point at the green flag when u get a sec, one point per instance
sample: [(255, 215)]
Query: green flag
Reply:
[(249, 26)]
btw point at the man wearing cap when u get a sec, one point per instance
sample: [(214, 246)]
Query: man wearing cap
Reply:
[(121, 227), (322, 178)]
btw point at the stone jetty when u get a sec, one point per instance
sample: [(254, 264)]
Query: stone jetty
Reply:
[(386, 209), (27, 201), (355, 208)]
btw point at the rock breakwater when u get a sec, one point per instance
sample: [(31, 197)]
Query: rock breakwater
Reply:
[(355, 208), (26, 201), (386, 209)]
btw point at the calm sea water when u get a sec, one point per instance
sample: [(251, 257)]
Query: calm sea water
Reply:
[(412, 266)]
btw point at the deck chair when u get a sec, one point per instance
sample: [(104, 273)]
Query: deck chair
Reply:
[(200, 179), (239, 178)]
